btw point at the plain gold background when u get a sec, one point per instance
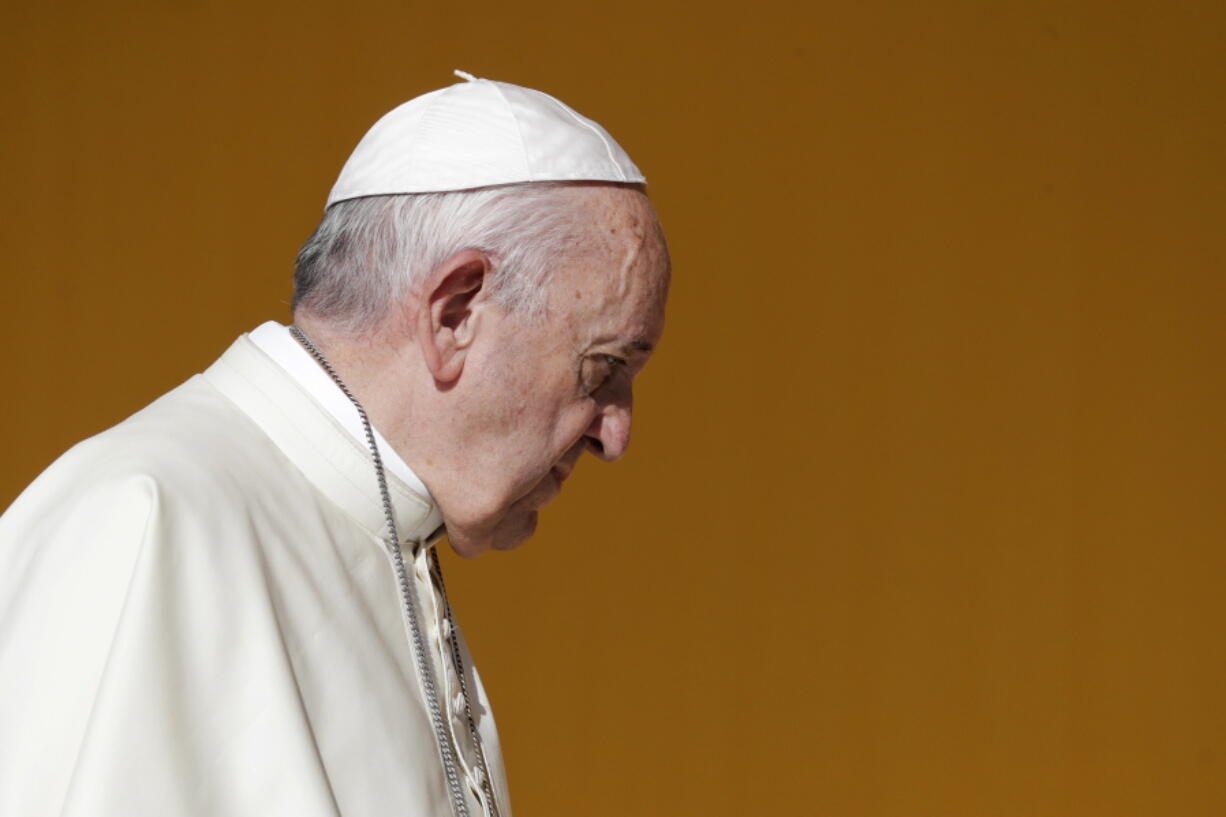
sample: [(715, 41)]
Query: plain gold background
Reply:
[(924, 514)]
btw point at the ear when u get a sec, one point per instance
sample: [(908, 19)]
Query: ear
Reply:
[(447, 317)]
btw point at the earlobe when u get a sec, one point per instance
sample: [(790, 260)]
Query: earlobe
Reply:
[(448, 315)]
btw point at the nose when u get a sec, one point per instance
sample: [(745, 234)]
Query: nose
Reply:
[(608, 436)]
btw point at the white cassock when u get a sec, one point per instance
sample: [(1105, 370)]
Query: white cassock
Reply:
[(199, 616)]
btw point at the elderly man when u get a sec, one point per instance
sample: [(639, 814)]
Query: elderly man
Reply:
[(230, 603)]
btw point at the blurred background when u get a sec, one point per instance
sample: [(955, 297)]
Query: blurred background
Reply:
[(924, 514)]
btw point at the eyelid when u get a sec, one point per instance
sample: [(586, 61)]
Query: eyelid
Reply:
[(612, 364)]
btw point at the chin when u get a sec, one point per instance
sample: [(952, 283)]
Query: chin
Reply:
[(465, 550), (509, 533), (520, 532)]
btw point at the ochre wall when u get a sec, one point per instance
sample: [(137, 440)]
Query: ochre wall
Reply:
[(924, 514)]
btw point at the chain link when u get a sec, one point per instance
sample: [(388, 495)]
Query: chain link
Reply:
[(487, 783), (425, 667)]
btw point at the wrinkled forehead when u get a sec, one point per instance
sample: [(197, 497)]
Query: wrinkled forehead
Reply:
[(613, 282), (617, 231)]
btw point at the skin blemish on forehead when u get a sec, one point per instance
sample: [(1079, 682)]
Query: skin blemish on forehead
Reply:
[(619, 248)]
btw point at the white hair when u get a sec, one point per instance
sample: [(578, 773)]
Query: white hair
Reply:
[(369, 253)]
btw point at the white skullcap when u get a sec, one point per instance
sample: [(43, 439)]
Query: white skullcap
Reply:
[(480, 133)]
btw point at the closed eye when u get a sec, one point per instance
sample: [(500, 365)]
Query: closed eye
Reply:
[(599, 369)]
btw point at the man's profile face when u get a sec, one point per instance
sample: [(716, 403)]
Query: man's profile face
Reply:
[(561, 384)]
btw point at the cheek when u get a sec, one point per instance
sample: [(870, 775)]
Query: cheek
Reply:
[(516, 401), (536, 413)]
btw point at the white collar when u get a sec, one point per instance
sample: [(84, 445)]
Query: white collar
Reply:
[(276, 341)]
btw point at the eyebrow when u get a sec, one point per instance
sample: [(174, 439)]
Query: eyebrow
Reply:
[(639, 346)]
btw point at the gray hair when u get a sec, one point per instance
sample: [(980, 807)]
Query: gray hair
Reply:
[(369, 253)]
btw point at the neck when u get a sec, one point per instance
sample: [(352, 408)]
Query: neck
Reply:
[(380, 368), (425, 424)]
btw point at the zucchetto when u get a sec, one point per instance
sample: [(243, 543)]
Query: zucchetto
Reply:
[(480, 133)]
